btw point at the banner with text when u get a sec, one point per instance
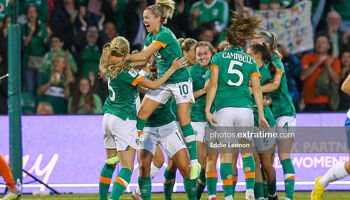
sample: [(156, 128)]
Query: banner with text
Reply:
[(292, 26), (67, 152)]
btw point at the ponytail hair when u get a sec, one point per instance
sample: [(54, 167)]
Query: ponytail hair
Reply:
[(265, 56), (118, 47), (163, 9), (271, 39)]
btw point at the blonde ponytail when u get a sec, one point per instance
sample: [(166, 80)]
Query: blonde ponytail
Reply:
[(164, 9), (118, 47)]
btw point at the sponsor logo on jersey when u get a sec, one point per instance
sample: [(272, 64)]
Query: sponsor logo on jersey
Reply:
[(133, 73)]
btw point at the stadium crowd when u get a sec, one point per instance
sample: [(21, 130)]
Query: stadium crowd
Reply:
[(62, 42)]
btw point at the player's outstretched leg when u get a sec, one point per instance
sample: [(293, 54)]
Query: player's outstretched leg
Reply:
[(5, 172)]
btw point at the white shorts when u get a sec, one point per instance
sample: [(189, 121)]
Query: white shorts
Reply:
[(182, 92), (286, 120), (168, 136), (234, 116), (119, 134), (264, 144), (199, 128)]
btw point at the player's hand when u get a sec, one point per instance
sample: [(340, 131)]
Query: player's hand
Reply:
[(211, 119), (179, 63), (263, 122)]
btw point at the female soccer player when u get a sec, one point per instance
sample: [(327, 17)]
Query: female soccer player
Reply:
[(162, 129), (203, 52), (119, 121), (162, 43), (340, 170), (5, 172), (187, 46), (231, 71), (265, 146), (283, 110)]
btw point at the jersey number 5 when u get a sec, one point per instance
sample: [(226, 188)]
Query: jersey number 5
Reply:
[(112, 97), (235, 71)]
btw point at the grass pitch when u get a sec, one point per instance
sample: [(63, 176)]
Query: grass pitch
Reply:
[(331, 195)]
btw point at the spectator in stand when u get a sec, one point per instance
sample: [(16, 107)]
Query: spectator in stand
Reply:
[(345, 70), (57, 44), (84, 101), (212, 11), (206, 33), (44, 108), (4, 11), (275, 5), (110, 30), (3, 63), (85, 19), (313, 66), (265, 4), (41, 5), (135, 29), (95, 8), (292, 67), (239, 7), (54, 87), (115, 11), (89, 52), (343, 7), (62, 22), (339, 39), (34, 37)]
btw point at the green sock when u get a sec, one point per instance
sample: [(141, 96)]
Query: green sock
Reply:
[(212, 180), (145, 187), (191, 188), (266, 188), (190, 139), (226, 173), (235, 178), (271, 188), (201, 183), (120, 183), (140, 124), (249, 172), (289, 177), (259, 190), (169, 182), (105, 181)]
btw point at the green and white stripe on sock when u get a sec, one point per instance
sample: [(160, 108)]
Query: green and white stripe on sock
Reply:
[(289, 177), (169, 182), (120, 183), (105, 180), (190, 139)]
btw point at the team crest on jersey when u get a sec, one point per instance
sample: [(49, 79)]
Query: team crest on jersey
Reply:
[(132, 73), (215, 11)]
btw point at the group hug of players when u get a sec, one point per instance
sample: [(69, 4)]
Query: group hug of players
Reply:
[(181, 86)]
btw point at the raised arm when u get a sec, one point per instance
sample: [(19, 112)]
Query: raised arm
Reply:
[(141, 56), (177, 64)]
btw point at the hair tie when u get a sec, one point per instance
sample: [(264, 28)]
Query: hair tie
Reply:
[(155, 12)]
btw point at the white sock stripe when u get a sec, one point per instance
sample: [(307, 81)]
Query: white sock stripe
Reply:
[(212, 196), (288, 175), (124, 181), (229, 197), (190, 138), (154, 170)]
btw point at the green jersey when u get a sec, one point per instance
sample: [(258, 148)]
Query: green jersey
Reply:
[(235, 70), (282, 104), (170, 49), (162, 115), (198, 82), (90, 60), (265, 75), (4, 10), (122, 95), (55, 94), (47, 63), (218, 12)]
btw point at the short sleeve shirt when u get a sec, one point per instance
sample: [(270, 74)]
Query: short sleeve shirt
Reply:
[(122, 95), (235, 70), (170, 50), (198, 80)]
